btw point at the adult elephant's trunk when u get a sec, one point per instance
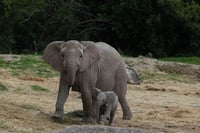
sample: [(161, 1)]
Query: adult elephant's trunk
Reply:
[(71, 68)]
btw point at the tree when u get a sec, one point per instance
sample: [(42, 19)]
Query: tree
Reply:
[(136, 27)]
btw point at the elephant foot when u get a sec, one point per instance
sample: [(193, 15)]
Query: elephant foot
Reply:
[(88, 120), (127, 117), (58, 116)]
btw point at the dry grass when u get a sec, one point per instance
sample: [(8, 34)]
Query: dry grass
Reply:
[(162, 104)]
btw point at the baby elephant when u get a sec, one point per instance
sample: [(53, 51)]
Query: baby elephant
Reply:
[(106, 106)]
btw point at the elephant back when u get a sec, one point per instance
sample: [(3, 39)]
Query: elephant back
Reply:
[(112, 69), (110, 54)]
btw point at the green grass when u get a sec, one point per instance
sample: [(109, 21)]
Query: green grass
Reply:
[(38, 88), (3, 87), (153, 76), (189, 60), (28, 65), (28, 106)]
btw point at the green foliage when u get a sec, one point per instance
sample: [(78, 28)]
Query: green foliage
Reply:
[(137, 27), (3, 87), (39, 88), (189, 60), (149, 55)]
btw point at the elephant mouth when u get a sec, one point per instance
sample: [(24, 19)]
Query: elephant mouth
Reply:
[(70, 81), (78, 67)]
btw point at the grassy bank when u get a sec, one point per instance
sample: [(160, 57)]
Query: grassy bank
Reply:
[(189, 60), (26, 65)]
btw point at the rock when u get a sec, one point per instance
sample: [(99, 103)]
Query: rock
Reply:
[(180, 68), (141, 64), (133, 76), (101, 129)]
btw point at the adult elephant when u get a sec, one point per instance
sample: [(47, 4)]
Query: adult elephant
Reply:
[(87, 65)]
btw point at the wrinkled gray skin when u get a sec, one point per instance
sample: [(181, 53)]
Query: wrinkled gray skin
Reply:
[(87, 65), (106, 106), (132, 76)]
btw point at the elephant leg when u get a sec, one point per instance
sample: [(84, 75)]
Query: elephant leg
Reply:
[(87, 108), (127, 115), (95, 109), (112, 114), (88, 104), (61, 98), (121, 93), (88, 94)]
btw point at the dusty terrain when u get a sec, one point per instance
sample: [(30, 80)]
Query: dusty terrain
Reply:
[(166, 102)]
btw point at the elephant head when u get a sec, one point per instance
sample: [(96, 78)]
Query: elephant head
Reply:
[(101, 101), (104, 105), (71, 56)]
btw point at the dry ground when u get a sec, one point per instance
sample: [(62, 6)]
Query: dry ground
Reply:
[(158, 104)]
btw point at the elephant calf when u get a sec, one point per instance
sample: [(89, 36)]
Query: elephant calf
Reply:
[(106, 105)]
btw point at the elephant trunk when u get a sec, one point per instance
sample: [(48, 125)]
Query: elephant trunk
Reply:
[(97, 112), (106, 115), (71, 68)]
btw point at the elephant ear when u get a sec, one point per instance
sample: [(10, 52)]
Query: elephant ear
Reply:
[(90, 56), (52, 55)]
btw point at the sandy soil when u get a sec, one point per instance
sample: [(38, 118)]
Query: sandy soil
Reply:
[(159, 104)]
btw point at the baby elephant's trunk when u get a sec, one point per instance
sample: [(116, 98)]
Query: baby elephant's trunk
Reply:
[(110, 107)]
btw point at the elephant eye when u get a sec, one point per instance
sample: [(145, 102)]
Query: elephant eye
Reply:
[(81, 56)]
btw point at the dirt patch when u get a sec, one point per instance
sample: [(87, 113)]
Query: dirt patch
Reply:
[(159, 104), (150, 88), (31, 78)]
